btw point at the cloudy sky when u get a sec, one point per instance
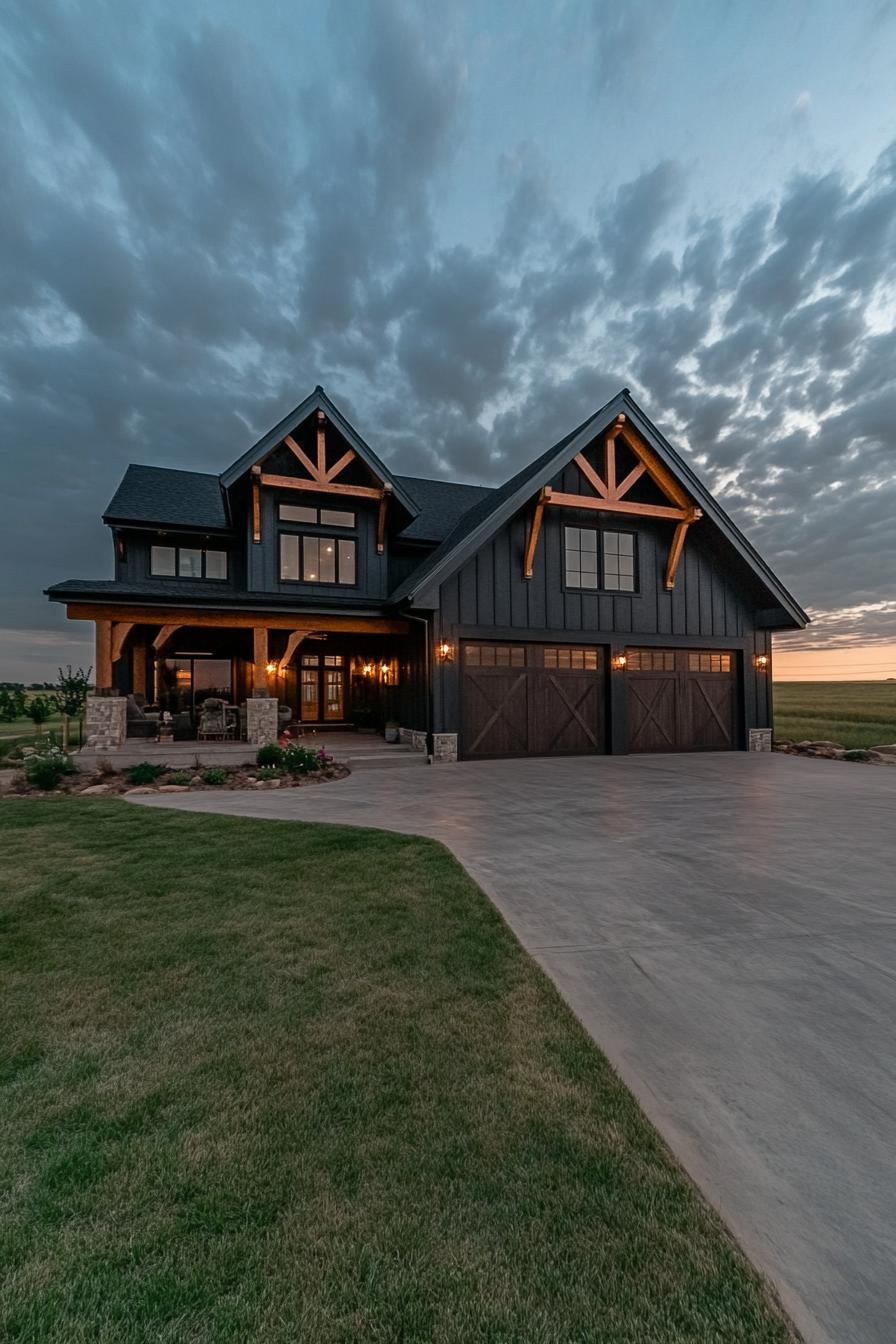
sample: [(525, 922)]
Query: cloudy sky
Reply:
[(472, 223)]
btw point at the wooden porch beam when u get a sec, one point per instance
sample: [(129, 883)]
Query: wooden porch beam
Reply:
[(256, 504), (103, 658), (167, 632), (120, 632), (544, 496), (138, 667), (292, 644), (591, 475), (320, 487), (259, 659), (302, 456), (237, 620), (381, 520), (620, 506)]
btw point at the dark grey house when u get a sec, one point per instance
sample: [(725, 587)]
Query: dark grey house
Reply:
[(599, 601)]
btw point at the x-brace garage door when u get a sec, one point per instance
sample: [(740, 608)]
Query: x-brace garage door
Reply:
[(680, 699), (531, 700)]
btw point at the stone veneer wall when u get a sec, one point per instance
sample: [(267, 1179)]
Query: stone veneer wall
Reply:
[(412, 737), (760, 739), (444, 747), (262, 726), (106, 721)]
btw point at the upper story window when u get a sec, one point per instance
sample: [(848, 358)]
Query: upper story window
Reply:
[(610, 566), (187, 562), (309, 559), (299, 513)]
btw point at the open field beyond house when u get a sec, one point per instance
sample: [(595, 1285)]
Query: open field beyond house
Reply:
[(272, 1081), (853, 713)]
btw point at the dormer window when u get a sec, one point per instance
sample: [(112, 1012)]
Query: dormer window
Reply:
[(300, 513), (308, 559), (187, 562)]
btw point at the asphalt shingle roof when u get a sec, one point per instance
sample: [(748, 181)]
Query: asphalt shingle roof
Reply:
[(441, 503), (165, 495)]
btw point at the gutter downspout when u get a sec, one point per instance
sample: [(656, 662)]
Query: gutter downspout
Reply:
[(430, 708)]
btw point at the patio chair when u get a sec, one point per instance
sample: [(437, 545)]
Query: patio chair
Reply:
[(139, 722), (212, 720)]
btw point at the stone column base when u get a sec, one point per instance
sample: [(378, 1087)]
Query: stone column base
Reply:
[(106, 721), (760, 739), (261, 721), (444, 747), (418, 740)]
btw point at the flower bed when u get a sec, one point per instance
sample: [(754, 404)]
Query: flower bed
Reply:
[(277, 768)]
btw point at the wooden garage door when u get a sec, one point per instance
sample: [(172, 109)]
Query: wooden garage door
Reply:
[(531, 700), (680, 699)]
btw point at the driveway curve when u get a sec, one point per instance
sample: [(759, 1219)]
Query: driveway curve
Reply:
[(725, 928)]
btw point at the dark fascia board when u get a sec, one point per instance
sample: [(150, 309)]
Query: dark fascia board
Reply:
[(194, 529), (317, 401), (426, 593)]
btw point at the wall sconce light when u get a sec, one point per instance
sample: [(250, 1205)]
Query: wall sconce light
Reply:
[(760, 662), (367, 670), (384, 673), (618, 661), (444, 652), (271, 669)]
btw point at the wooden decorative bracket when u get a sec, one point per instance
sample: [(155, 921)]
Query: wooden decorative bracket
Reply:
[(677, 547), (120, 632), (256, 504), (167, 632), (544, 497), (321, 479), (381, 519), (292, 644)]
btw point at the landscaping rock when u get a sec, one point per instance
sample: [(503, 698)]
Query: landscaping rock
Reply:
[(197, 779), (174, 788), (129, 793), (266, 783), (888, 749), (94, 788)]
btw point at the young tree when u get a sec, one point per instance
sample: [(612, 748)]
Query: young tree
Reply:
[(71, 697), (39, 709)]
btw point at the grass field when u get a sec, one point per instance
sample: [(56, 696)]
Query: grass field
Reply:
[(272, 1082), (854, 713)]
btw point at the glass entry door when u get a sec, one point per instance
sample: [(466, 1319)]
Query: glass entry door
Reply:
[(322, 688), (183, 683)]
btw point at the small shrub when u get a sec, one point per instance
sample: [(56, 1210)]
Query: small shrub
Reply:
[(269, 755), (39, 708), (145, 772), (270, 772), (104, 767), (214, 775), (178, 777), (857, 754), (303, 760), (45, 769)]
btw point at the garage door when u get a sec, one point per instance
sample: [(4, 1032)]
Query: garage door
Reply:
[(531, 700), (680, 699)]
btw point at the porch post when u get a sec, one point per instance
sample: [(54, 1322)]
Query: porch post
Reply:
[(105, 712), (103, 657), (261, 707)]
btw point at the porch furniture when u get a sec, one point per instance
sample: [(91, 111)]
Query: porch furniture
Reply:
[(284, 715), (139, 722), (214, 722)]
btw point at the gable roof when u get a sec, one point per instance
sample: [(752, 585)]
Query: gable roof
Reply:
[(169, 497), (492, 512), (442, 504), (317, 401)]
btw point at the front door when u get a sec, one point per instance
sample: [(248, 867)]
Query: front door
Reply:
[(322, 688)]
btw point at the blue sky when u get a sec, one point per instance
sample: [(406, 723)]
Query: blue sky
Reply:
[(473, 223)]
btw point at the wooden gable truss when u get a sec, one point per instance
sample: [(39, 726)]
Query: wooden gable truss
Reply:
[(320, 480), (610, 496)]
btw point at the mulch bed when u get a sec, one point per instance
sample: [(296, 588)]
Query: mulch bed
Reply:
[(105, 784)]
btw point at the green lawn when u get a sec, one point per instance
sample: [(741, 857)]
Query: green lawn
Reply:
[(271, 1082), (853, 713)]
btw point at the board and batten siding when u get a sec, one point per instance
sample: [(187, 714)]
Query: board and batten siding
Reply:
[(714, 604)]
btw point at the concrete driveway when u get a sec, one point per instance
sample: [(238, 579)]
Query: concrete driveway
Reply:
[(725, 928)]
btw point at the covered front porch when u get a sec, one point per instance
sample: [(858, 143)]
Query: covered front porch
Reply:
[(175, 676)]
